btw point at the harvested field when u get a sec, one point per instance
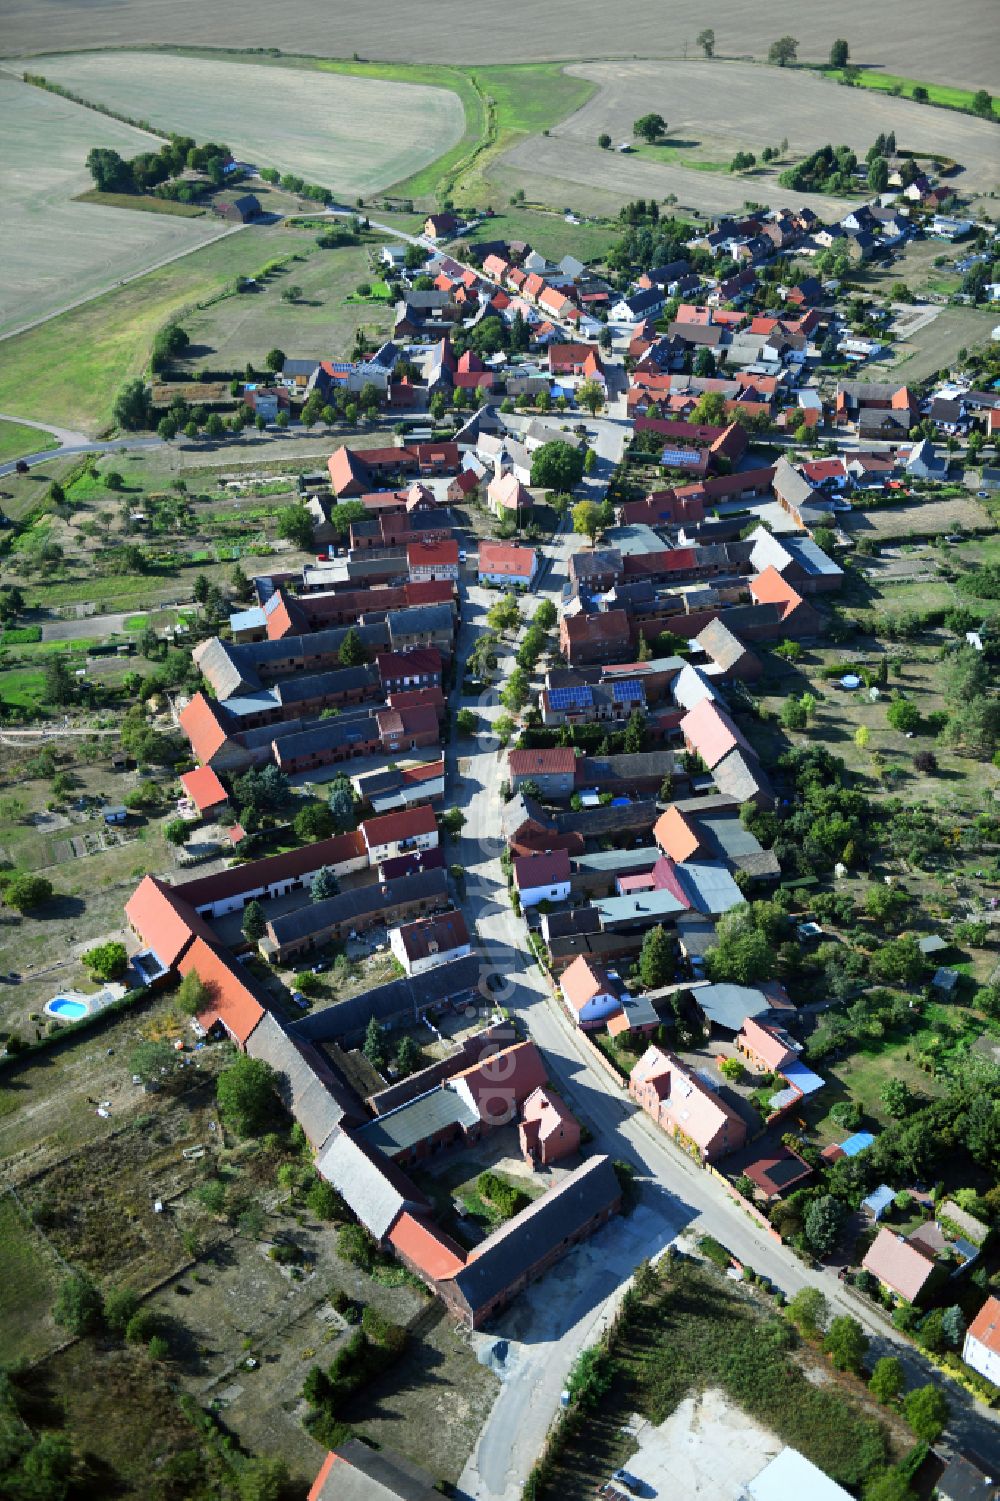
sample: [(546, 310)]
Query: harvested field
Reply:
[(714, 109), (55, 251), (929, 46), (552, 168), (926, 518), (350, 134)]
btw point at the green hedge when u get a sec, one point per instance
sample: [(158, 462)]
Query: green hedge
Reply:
[(74, 1029)]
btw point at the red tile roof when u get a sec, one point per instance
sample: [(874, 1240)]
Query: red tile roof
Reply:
[(391, 828), (583, 980), (503, 1081), (431, 554), (548, 868), (769, 588), (558, 760), (273, 868), (985, 1327), (899, 1265), (199, 719), (232, 1002), (426, 772), (434, 935), (427, 1247), (421, 661), (163, 919), (507, 559), (203, 788)]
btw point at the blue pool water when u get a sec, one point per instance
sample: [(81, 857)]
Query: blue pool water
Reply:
[(63, 1006)]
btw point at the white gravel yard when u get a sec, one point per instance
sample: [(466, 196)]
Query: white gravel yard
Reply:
[(705, 1451)]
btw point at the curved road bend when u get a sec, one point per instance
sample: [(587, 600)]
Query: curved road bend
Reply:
[(553, 1321)]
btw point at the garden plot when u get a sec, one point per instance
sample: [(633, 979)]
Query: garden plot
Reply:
[(54, 251), (353, 135)]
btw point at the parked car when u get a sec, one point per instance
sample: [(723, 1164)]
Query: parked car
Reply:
[(622, 1477)]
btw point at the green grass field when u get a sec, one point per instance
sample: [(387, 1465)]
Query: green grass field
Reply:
[(69, 369), (675, 157), (889, 83), (27, 1286), (141, 205), (16, 440)]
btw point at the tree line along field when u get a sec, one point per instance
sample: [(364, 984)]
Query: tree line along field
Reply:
[(351, 135), (54, 250), (927, 44)]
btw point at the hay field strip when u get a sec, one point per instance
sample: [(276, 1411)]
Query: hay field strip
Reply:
[(53, 250), (720, 107), (928, 40), (349, 134)]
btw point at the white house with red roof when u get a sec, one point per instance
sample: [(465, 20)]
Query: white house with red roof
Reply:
[(981, 1350), (543, 877), (506, 565)]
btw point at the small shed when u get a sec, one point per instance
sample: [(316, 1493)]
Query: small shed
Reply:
[(878, 1201), (933, 943), (114, 813), (945, 981)]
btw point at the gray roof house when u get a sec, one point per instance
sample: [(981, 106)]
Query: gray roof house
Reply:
[(375, 1190)]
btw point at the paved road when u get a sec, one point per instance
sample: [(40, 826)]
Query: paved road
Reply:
[(547, 1330)]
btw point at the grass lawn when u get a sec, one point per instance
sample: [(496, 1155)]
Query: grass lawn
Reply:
[(674, 156), (16, 439), (69, 369), (549, 232), (28, 1277), (142, 205), (320, 323), (937, 93)]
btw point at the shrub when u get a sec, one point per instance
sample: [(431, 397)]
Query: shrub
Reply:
[(78, 1306), (715, 1252)]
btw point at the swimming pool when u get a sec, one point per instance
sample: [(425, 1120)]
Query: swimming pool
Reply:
[(66, 1007)]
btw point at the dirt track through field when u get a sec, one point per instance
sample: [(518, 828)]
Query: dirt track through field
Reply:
[(926, 40)]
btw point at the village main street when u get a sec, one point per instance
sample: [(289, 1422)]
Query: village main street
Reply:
[(534, 1345)]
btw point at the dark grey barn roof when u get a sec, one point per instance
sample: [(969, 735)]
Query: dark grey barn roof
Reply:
[(515, 1249)]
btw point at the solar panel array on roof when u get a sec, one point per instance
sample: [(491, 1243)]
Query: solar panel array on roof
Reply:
[(577, 697), (623, 691)]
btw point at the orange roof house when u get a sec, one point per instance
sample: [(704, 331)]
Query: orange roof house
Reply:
[(232, 1003), (898, 1265), (204, 789), (766, 1046), (424, 1248), (201, 721), (498, 1085), (676, 835), (164, 921), (685, 1106), (797, 617)]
